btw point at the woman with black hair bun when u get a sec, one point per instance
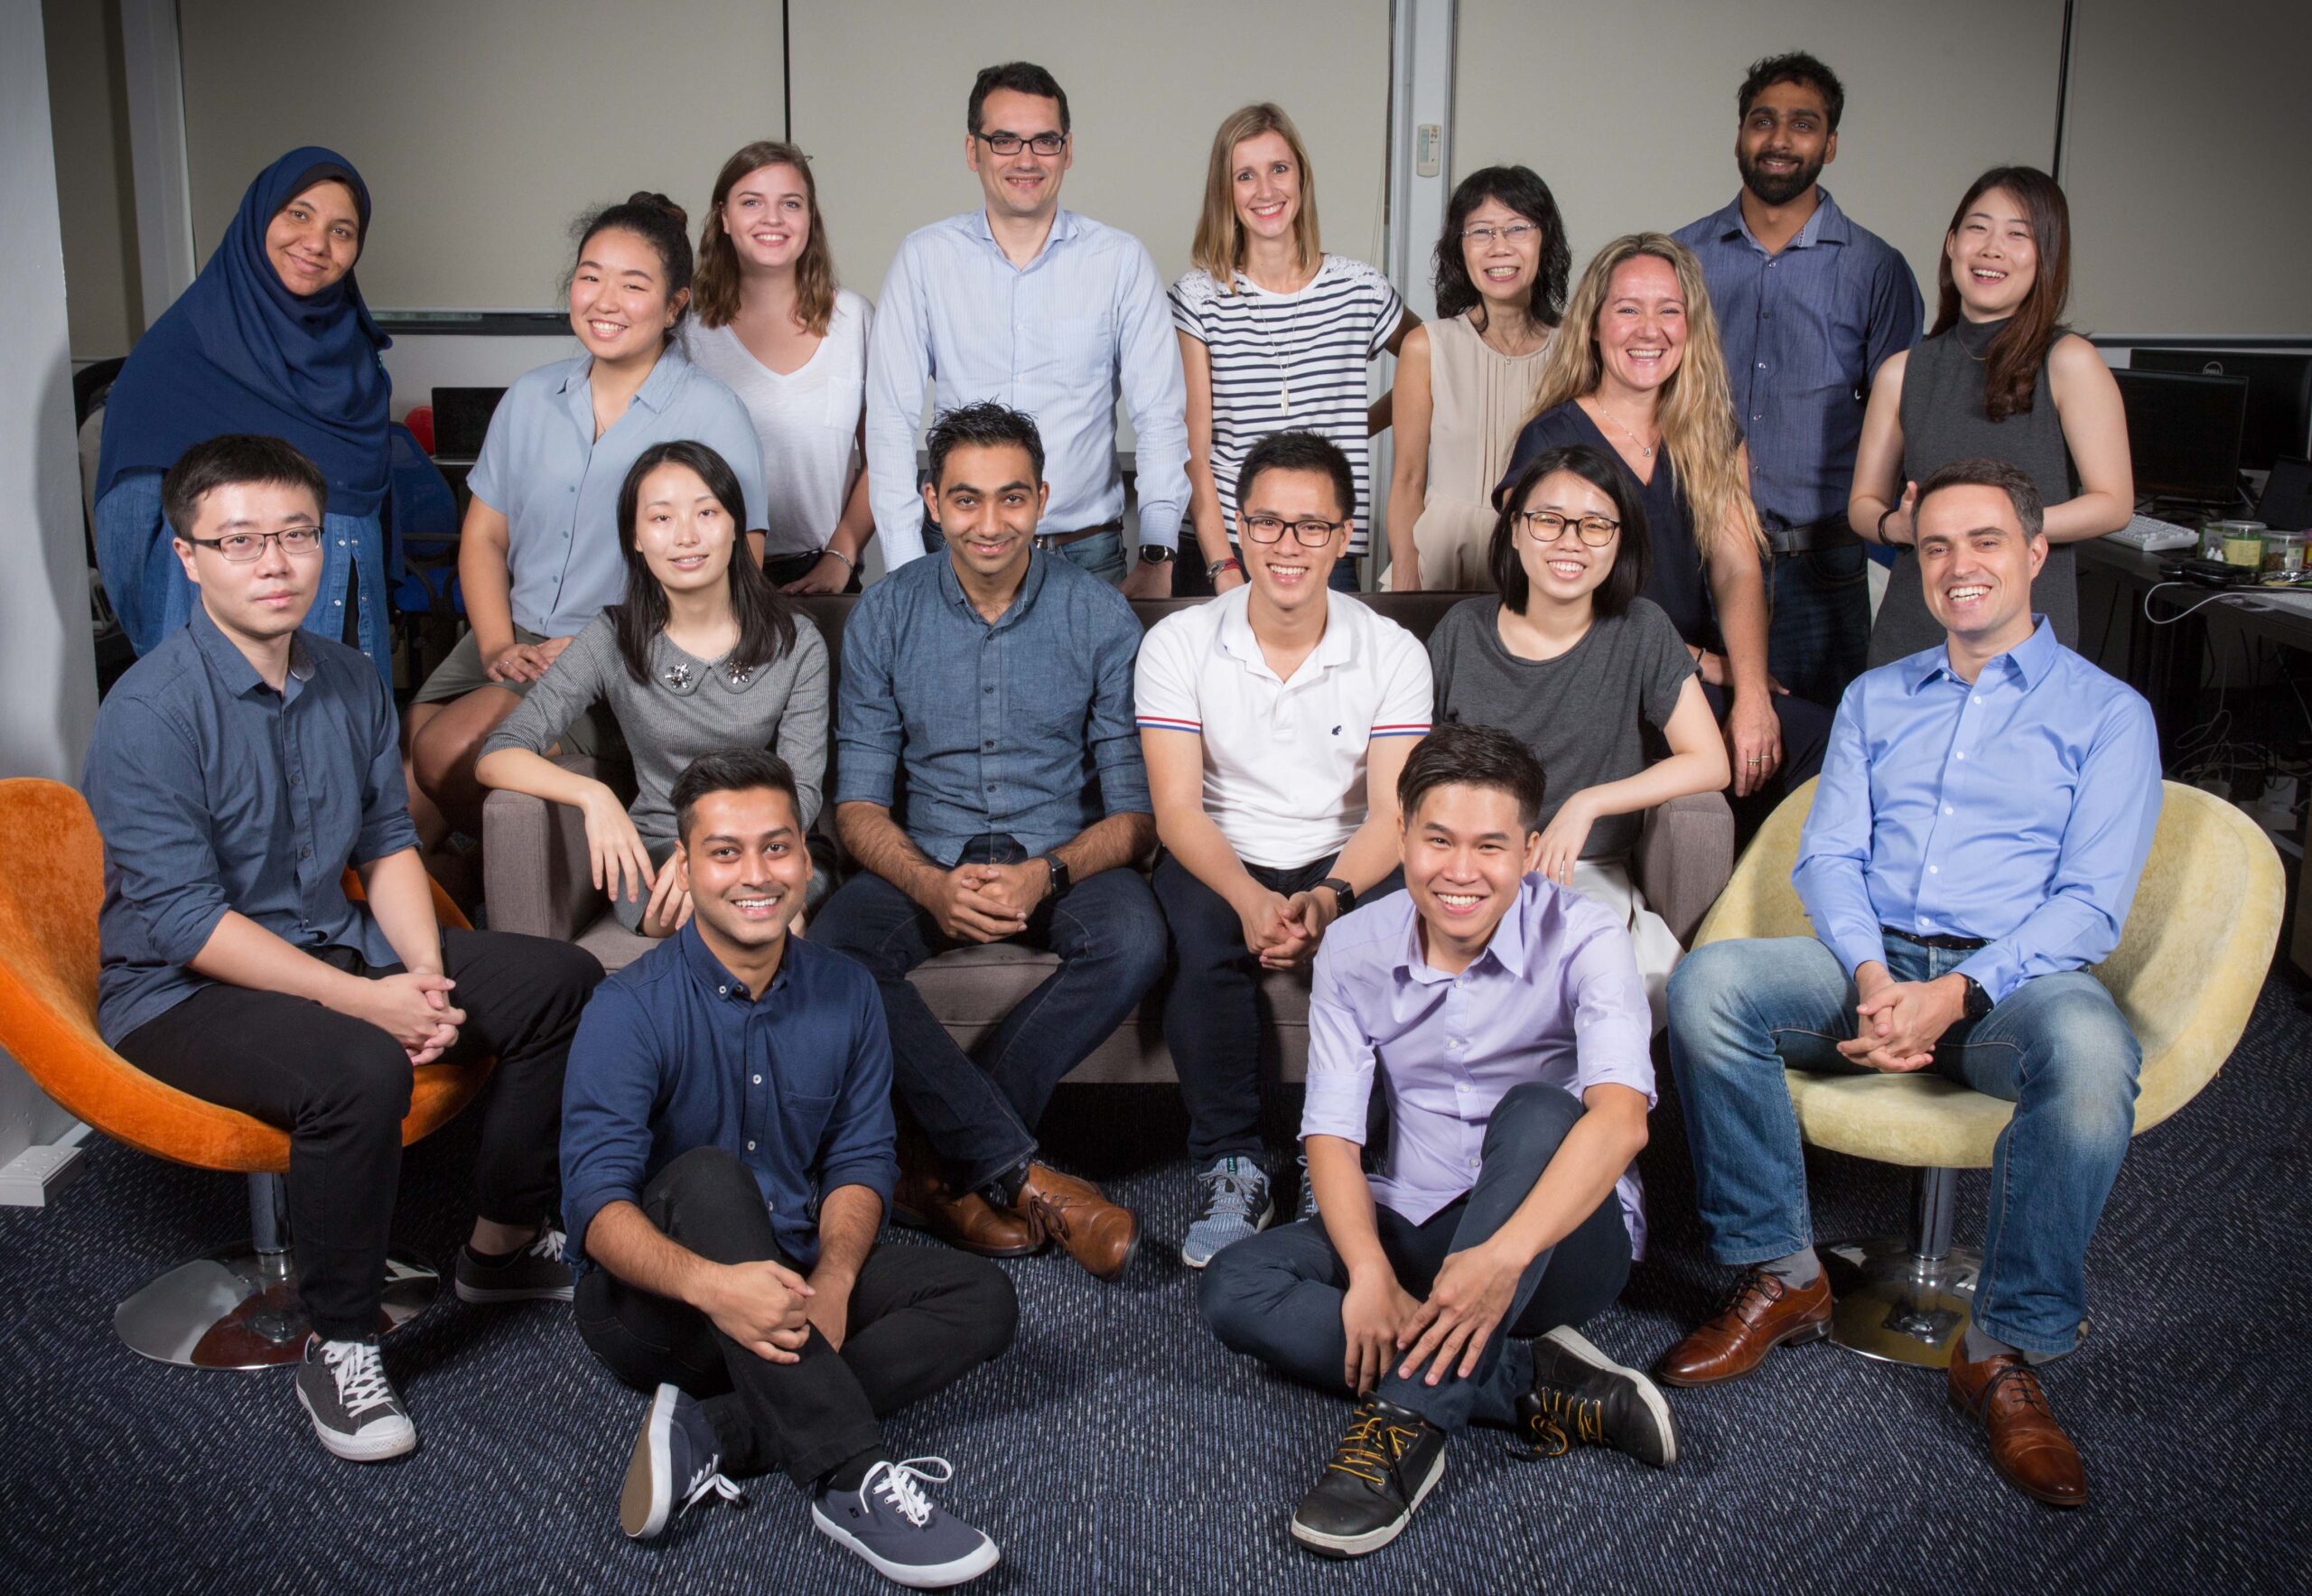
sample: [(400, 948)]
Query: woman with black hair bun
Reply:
[(540, 557)]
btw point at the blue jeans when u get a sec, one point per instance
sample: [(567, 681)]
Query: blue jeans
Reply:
[(1278, 1295), (2057, 1047), (1821, 630), (978, 1110), (146, 582), (1101, 553)]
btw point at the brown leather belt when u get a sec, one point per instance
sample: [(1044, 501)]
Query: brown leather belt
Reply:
[(1948, 944), (1050, 540), (1832, 532)]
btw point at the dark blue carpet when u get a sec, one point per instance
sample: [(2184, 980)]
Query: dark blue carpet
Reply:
[(1117, 1448)]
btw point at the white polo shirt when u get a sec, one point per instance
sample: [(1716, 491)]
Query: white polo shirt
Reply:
[(1283, 761)]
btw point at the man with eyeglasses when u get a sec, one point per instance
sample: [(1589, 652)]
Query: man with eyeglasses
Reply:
[(1274, 719), (1809, 306), (235, 772), (1047, 312)]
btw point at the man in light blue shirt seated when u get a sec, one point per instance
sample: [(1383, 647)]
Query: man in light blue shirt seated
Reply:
[(1505, 1015), (1984, 813), (1047, 312)]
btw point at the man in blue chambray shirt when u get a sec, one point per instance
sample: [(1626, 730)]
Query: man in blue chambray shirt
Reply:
[(988, 775), (1808, 306), (726, 1156), (1984, 813)]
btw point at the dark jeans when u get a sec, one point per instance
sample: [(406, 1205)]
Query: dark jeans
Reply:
[(783, 569), (340, 1087), (1805, 737), (1189, 582), (979, 1110), (1278, 1295), (1212, 1010), (1821, 631), (918, 1318)]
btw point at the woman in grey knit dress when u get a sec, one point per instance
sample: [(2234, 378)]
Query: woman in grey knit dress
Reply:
[(705, 654)]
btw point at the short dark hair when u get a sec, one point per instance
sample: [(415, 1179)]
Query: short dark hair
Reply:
[(1021, 77), (234, 458), (1794, 67), (730, 770), (984, 426), (1458, 754), (2021, 491), (1298, 452), (1521, 189), (1633, 551)]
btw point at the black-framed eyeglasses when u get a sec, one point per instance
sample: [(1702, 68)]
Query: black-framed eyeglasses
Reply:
[(1483, 236), (1310, 534), (241, 547), (1545, 527), (1008, 144)]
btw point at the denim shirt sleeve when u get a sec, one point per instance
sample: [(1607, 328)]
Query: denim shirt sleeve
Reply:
[(802, 735), (1341, 1059), (868, 729), (860, 1147), (1835, 848), (1113, 726), (386, 826), (145, 787), (608, 1092)]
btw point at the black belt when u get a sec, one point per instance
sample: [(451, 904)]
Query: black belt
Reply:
[(1831, 532), (1050, 540), (1948, 944)]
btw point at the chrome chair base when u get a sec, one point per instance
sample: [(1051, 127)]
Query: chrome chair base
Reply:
[(239, 1310), (1892, 1304)]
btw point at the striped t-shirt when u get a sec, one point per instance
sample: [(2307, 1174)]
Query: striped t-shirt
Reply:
[(1290, 362)]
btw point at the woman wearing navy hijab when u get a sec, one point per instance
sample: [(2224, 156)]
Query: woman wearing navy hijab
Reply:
[(271, 338)]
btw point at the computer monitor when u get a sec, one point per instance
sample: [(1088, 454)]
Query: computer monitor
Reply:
[(2287, 503), (462, 420), (2184, 435), (2279, 396)]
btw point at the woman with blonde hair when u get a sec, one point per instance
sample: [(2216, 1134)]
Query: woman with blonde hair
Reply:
[(774, 328), (1637, 369), (1275, 335)]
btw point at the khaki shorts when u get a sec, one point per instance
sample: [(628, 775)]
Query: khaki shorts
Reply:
[(593, 734)]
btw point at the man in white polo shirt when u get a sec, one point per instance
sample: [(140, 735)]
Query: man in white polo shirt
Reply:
[(1274, 719)]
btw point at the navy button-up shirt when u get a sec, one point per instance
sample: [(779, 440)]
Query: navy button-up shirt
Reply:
[(674, 1054), (1008, 726), (215, 793), (1804, 333)]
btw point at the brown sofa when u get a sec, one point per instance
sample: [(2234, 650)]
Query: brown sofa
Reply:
[(535, 881)]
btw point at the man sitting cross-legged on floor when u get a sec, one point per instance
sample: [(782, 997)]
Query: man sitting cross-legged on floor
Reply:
[(1506, 1015), (1984, 813), (237, 769), (727, 1153), (988, 777)]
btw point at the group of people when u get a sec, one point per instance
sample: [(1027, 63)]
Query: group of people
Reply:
[(1665, 477)]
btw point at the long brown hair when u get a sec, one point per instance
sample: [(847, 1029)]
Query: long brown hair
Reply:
[(1219, 246), (2017, 351), (1696, 409), (717, 300)]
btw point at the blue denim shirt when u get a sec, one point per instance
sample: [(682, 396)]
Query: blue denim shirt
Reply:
[(1003, 726), (1804, 333), (675, 1054), (215, 793)]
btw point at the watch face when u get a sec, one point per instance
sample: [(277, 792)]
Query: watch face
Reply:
[(1149, 554)]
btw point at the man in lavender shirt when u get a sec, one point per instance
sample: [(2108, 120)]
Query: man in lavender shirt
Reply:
[(1508, 1016)]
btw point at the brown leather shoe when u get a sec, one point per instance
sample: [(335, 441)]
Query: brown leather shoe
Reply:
[(923, 1201), (1100, 1235), (1763, 1312), (2028, 1446)]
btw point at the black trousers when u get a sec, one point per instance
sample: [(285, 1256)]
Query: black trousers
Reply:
[(340, 1087), (919, 1316)]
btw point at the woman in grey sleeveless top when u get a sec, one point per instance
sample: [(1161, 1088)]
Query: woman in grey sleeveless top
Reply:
[(1997, 378)]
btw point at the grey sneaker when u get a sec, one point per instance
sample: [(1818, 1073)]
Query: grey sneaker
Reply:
[(677, 1462), (1232, 1202), (1305, 1206), (1581, 1397), (342, 1386), (535, 1274), (900, 1533)]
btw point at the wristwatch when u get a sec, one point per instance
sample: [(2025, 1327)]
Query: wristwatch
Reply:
[(1344, 895), (1978, 1001), (1157, 554), (1059, 877)]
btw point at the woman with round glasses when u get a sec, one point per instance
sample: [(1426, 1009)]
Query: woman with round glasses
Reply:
[(1275, 335), (1571, 661), (1637, 373), (1463, 381)]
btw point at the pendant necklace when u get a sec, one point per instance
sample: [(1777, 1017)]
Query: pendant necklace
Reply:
[(1283, 376), (1643, 448)]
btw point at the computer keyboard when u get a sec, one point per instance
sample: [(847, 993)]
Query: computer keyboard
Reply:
[(2154, 537)]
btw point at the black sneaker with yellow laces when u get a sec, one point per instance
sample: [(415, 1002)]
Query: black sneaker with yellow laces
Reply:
[(1581, 1397), (1386, 1462)]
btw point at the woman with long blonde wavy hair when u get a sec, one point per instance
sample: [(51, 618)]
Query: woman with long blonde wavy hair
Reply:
[(1637, 367)]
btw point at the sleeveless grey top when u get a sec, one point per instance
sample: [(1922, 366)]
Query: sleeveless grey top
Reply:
[(1942, 421)]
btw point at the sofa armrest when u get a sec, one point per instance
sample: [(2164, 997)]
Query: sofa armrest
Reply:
[(536, 871), (1685, 857)]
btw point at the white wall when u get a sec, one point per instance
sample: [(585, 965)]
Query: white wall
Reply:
[(49, 702), (94, 189)]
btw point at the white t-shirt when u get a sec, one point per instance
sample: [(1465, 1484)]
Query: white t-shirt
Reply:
[(1290, 362), (808, 421), (1283, 761)]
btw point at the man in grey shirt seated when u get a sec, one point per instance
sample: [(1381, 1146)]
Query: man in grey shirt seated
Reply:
[(988, 775)]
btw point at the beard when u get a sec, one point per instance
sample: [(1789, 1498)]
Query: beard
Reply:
[(1779, 189)]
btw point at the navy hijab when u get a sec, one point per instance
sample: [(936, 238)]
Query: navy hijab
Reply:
[(238, 352)]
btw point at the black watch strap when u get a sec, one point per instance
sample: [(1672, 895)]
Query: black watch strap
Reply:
[(1978, 1001), (1343, 893), (1059, 876)]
